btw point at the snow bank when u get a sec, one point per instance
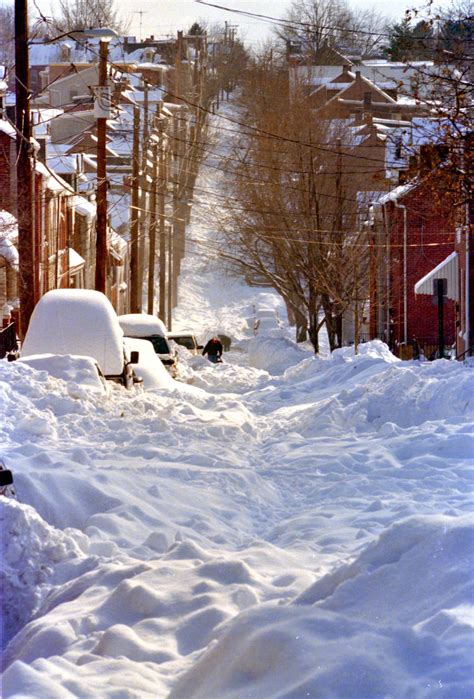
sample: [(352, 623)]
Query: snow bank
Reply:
[(374, 628), (273, 352), (31, 550), (80, 373)]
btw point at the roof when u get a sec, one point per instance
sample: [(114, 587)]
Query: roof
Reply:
[(447, 269), (82, 206), (7, 128), (397, 193), (328, 56), (53, 181)]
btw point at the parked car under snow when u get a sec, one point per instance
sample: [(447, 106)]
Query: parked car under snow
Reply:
[(151, 328), (80, 322), (149, 368)]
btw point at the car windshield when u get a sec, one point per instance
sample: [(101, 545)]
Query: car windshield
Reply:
[(184, 340), (160, 344)]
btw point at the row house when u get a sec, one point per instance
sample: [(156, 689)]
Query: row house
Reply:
[(413, 232), (311, 67)]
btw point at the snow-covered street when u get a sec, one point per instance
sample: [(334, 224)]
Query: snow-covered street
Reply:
[(281, 525)]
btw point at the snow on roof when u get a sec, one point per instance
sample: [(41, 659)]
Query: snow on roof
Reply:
[(75, 260), (42, 117), (447, 269), (154, 95), (161, 67), (117, 243), (427, 130), (63, 164), (119, 210), (53, 181), (82, 206), (142, 325), (7, 128), (397, 193), (76, 321)]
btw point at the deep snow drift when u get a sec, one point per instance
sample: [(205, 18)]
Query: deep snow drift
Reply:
[(279, 525)]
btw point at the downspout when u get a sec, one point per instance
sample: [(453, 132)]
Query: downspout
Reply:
[(405, 285), (467, 309), (387, 276)]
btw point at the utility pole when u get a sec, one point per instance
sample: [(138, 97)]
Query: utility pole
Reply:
[(338, 221), (152, 229), (169, 323), (162, 176), (135, 301), (101, 195), (24, 170), (144, 197)]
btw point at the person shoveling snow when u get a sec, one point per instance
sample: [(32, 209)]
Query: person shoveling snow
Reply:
[(213, 349)]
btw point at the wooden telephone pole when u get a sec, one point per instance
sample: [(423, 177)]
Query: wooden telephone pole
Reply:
[(135, 300), (102, 215), (24, 170)]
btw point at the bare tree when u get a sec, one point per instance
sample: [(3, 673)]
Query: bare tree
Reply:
[(84, 14), (292, 208), (332, 22), (7, 36)]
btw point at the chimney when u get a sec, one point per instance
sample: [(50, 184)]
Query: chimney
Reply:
[(427, 159), (358, 78), (412, 166), (367, 101), (42, 154)]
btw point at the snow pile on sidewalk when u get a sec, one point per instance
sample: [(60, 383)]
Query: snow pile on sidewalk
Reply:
[(31, 552), (375, 628)]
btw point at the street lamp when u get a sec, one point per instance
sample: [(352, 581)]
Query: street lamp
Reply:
[(102, 113)]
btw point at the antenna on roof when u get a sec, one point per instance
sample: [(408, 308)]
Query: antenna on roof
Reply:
[(141, 13)]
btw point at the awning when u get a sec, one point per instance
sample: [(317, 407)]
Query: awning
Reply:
[(448, 269)]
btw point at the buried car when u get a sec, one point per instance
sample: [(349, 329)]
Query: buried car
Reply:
[(147, 327), (186, 339), (149, 368), (80, 372), (80, 322)]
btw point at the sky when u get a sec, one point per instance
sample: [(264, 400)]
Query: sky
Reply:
[(166, 16)]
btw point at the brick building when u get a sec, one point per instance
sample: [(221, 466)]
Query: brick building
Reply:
[(414, 232)]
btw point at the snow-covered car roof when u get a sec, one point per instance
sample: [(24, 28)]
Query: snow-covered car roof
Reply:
[(80, 322), (76, 369), (142, 325), (183, 333), (150, 368)]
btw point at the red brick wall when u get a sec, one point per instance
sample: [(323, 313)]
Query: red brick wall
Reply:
[(430, 239)]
